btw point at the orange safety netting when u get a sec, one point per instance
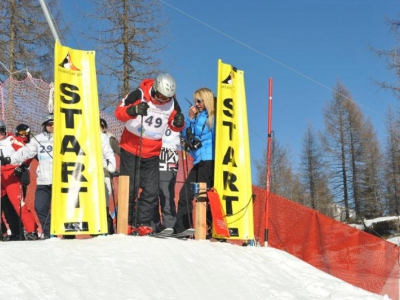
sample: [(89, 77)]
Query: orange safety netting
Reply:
[(345, 252)]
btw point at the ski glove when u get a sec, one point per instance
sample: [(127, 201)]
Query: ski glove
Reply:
[(179, 120), (18, 172), (5, 160), (20, 169), (136, 110)]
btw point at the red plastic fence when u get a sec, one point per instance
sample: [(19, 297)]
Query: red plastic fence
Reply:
[(345, 252)]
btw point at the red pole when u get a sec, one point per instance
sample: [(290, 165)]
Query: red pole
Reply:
[(268, 171)]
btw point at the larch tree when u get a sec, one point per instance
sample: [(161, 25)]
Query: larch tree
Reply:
[(372, 200), (365, 163), (336, 145), (128, 35), (26, 41), (392, 58), (392, 150), (313, 173), (283, 181), (354, 155), (392, 164)]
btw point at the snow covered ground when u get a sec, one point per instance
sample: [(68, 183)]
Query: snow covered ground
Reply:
[(370, 222), (126, 267)]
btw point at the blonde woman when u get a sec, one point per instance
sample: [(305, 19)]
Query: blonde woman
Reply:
[(199, 135)]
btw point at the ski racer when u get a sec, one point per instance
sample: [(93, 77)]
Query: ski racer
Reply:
[(146, 112)]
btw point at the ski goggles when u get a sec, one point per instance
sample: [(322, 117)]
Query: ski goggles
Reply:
[(161, 98), (23, 132), (49, 123)]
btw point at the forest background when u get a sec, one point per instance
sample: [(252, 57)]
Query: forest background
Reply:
[(339, 165)]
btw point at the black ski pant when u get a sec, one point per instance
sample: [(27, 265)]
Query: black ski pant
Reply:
[(201, 172), (11, 216), (145, 176), (42, 206), (110, 222), (167, 199)]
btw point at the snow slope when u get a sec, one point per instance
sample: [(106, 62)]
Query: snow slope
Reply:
[(125, 267)]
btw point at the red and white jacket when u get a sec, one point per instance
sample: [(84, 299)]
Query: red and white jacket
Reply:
[(8, 146), (159, 115)]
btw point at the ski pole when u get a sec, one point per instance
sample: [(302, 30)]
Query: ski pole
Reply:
[(137, 176), (113, 196), (20, 210)]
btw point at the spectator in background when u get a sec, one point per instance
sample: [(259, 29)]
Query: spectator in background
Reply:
[(113, 140), (22, 133), (10, 182), (10, 231), (110, 147), (41, 146)]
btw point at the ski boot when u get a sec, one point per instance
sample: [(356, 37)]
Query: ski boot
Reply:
[(144, 230), (31, 236)]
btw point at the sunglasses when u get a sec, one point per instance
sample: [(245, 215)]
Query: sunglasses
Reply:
[(161, 98), (23, 132), (49, 124), (199, 101)]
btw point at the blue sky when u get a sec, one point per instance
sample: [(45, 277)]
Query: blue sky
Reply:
[(305, 46)]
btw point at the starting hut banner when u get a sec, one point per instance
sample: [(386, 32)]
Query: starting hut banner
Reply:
[(78, 191), (232, 177)]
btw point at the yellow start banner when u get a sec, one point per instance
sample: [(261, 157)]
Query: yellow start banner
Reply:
[(78, 191), (232, 177)]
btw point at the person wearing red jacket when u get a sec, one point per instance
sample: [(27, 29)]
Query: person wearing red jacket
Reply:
[(11, 183), (22, 134), (146, 112)]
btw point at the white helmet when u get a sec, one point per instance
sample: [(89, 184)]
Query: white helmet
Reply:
[(165, 85), (47, 118)]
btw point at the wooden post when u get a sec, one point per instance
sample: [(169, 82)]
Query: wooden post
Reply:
[(123, 204), (201, 210)]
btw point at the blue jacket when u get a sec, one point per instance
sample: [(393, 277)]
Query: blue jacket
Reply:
[(201, 132)]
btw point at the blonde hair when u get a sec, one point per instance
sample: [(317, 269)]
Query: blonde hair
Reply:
[(207, 96)]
